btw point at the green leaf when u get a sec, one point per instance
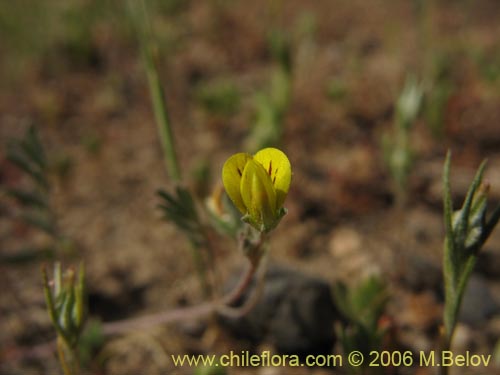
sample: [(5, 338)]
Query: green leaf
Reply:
[(460, 252), (91, 339), (220, 97), (67, 310), (462, 227), (40, 221), (340, 295), (448, 215), (49, 299), (181, 210), (31, 170), (492, 222), (32, 147), (27, 255), (361, 307), (80, 294), (363, 304), (369, 300), (28, 198), (187, 203)]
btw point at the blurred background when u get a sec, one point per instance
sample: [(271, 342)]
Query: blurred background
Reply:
[(365, 97)]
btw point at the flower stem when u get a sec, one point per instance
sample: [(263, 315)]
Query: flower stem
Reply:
[(237, 312)]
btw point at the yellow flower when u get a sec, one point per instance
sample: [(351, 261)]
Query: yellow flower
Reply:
[(258, 186)]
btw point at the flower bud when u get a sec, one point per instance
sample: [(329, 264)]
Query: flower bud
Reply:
[(476, 219), (65, 301)]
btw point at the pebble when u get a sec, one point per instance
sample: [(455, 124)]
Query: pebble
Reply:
[(296, 314), (478, 304)]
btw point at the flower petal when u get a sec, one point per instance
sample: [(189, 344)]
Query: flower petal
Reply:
[(278, 167), (232, 172), (258, 194)]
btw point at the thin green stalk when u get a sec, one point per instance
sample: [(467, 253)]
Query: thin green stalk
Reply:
[(162, 118), (67, 357), (453, 299), (50, 301), (144, 31), (143, 28), (62, 356), (459, 260), (467, 229)]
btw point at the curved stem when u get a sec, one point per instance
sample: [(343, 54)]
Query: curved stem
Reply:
[(163, 317), (194, 312), (249, 304), (242, 285), (221, 305)]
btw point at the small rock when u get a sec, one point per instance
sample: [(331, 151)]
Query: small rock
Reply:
[(488, 263), (193, 328), (478, 304), (296, 313), (421, 274)]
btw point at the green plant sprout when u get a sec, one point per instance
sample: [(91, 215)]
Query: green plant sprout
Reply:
[(398, 153), (361, 308), (30, 157), (467, 229), (271, 105), (90, 341), (65, 298), (221, 97)]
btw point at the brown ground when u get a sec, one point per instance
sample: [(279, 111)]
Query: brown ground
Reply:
[(343, 222)]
